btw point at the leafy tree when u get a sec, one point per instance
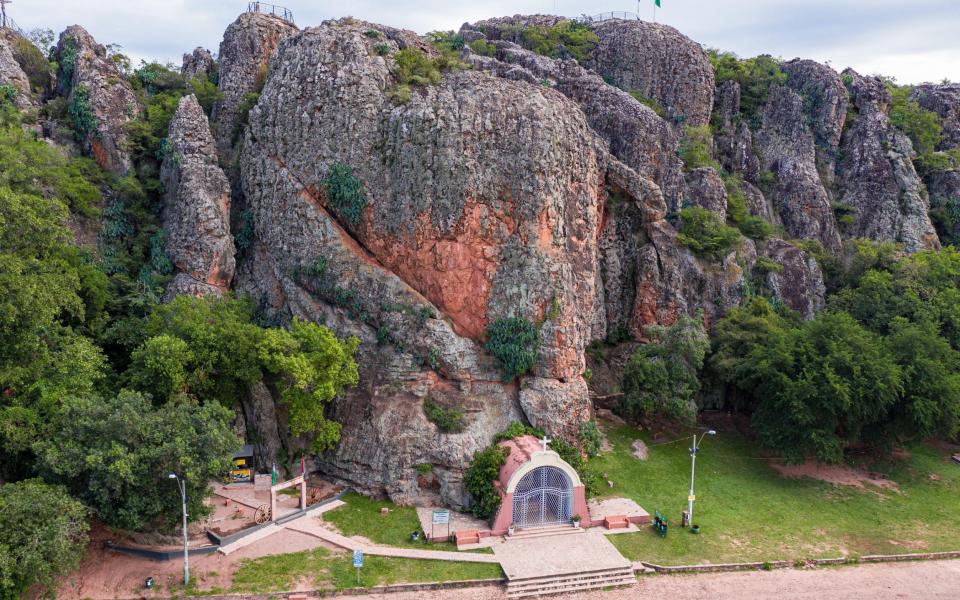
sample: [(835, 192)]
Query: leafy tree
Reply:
[(660, 380), (513, 342), (756, 324), (43, 534), (312, 367), (820, 387), (116, 453), (206, 91), (345, 193), (705, 234), (752, 226)]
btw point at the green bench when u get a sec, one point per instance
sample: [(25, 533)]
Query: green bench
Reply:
[(660, 523)]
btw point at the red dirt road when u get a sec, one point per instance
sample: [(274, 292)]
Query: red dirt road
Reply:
[(922, 580)]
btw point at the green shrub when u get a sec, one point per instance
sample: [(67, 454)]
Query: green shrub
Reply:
[(572, 456), (514, 343), (922, 126), (68, 60), (517, 429), (447, 420), (752, 226), (8, 93), (372, 34), (479, 477), (483, 48), (424, 468), (937, 162), (706, 236), (446, 41), (381, 49), (84, 123), (755, 75), (649, 102), (206, 91), (34, 64), (696, 148), (345, 193), (247, 102), (567, 38), (590, 437)]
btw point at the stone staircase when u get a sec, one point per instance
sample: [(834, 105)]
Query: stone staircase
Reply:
[(572, 582), (539, 532)]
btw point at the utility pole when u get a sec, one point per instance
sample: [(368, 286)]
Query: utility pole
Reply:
[(3, 12), (186, 555), (693, 467)]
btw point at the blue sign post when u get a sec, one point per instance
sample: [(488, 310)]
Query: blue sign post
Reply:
[(358, 562)]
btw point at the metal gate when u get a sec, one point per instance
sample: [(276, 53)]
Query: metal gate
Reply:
[(543, 497)]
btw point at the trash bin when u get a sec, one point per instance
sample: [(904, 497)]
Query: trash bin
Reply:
[(685, 519)]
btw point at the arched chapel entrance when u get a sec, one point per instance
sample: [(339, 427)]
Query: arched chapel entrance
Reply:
[(543, 497)]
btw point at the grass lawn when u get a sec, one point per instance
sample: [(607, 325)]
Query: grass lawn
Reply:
[(748, 512), (321, 569), (361, 516)]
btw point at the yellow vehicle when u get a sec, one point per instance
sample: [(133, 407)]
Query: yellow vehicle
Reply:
[(242, 471)]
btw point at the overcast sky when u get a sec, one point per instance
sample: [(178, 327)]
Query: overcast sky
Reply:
[(914, 41)]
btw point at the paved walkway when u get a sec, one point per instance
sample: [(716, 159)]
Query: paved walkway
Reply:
[(558, 555), (310, 524)]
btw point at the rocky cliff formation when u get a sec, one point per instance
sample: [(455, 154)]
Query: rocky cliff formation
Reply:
[(198, 63), (244, 58), (100, 99), (878, 180), (517, 185), (196, 215), (12, 73)]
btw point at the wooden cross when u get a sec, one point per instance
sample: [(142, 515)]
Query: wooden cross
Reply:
[(3, 12), (545, 440)]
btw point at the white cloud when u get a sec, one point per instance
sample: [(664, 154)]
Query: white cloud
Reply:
[(913, 41)]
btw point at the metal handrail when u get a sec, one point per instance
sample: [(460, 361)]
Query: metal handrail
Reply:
[(609, 16), (271, 9)]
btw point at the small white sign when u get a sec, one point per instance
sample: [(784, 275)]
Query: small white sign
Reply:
[(441, 517), (358, 558)]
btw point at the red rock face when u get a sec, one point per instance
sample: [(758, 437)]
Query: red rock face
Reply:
[(455, 272)]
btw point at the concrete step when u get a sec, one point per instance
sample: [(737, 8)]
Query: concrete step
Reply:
[(527, 534), (534, 581), (567, 584)]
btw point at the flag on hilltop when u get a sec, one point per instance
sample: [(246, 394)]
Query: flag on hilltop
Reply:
[(657, 3)]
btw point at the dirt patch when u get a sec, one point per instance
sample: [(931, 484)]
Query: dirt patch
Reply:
[(839, 475)]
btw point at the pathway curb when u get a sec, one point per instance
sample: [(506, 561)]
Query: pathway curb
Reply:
[(644, 567)]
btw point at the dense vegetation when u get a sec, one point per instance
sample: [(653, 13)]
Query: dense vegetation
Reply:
[(755, 77), (513, 342), (104, 390)]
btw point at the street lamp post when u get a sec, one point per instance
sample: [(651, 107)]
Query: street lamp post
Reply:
[(693, 466), (186, 555)]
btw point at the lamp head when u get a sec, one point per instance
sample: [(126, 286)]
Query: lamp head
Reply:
[(172, 476), (711, 432)]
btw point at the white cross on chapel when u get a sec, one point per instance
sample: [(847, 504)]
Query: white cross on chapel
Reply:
[(545, 440)]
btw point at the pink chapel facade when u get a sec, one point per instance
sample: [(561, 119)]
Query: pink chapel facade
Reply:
[(537, 488)]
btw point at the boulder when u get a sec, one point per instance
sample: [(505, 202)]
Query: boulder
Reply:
[(877, 179), (101, 100), (245, 52), (196, 216), (198, 63), (660, 63), (639, 450)]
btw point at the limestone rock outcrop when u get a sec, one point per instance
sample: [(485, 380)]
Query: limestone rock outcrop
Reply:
[(705, 189), (787, 146), (660, 63), (101, 100), (878, 181), (799, 281), (196, 216), (11, 72), (198, 63), (245, 54)]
